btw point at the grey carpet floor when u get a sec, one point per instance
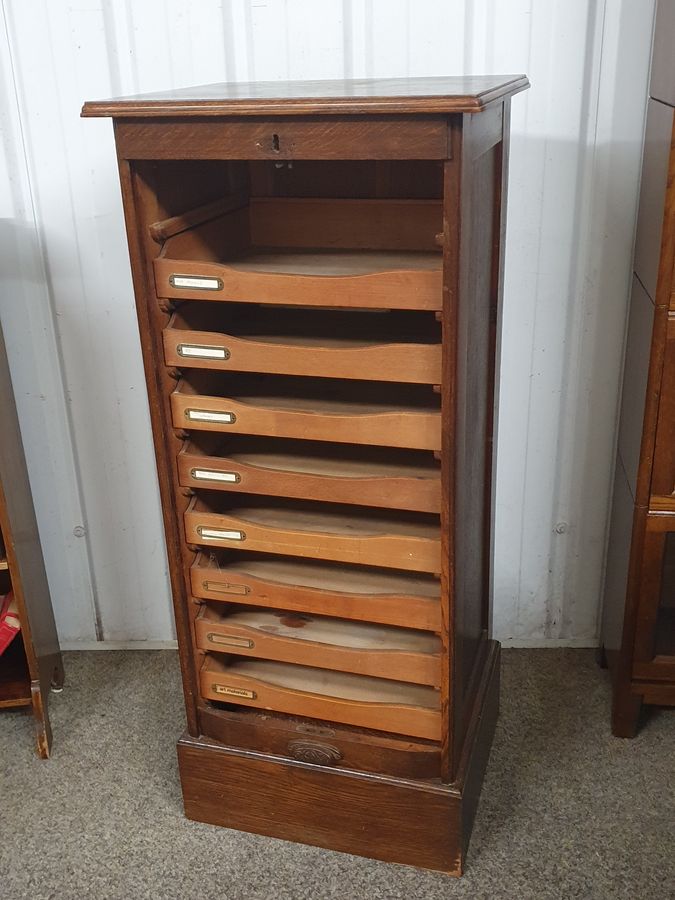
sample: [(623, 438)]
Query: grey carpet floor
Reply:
[(567, 811)]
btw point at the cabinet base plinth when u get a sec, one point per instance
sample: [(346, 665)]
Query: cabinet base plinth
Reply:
[(418, 823)]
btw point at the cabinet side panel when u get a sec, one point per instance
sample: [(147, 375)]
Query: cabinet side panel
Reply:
[(475, 361), (26, 564), (470, 315)]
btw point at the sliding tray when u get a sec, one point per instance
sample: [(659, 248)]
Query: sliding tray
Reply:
[(338, 473), (377, 703), (307, 586), (368, 256), (364, 648), (390, 415), (371, 537), (373, 345)]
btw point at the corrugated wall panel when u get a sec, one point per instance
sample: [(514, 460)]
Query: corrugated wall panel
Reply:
[(574, 166)]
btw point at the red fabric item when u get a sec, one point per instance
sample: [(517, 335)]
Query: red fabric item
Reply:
[(9, 621)]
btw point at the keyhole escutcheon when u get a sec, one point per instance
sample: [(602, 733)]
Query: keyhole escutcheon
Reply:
[(275, 143)]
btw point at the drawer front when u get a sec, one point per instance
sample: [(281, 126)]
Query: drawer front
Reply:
[(663, 474), (282, 636), (397, 289), (414, 363), (323, 744), (398, 551), (356, 137), (409, 601), (254, 683), (421, 431), (221, 473)]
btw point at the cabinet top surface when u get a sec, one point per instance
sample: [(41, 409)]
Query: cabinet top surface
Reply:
[(455, 94)]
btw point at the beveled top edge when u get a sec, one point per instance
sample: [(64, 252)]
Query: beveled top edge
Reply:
[(452, 94)]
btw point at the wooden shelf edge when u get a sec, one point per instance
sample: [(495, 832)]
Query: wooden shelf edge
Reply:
[(15, 684), (16, 702)]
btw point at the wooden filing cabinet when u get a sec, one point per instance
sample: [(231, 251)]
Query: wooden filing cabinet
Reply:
[(638, 627), (318, 269)]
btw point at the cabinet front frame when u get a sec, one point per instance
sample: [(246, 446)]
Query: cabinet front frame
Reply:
[(142, 147)]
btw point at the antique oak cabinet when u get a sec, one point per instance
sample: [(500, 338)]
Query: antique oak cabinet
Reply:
[(317, 268), (638, 629), (31, 665)]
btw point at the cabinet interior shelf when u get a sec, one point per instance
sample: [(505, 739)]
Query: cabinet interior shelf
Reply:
[(14, 676)]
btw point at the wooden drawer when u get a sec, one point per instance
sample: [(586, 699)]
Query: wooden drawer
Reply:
[(337, 473), (312, 409), (322, 694), (364, 648), (351, 278), (307, 586), (289, 137), (345, 253), (322, 743), (375, 346), (409, 541)]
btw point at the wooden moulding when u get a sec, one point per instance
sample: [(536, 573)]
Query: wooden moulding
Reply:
[(394, 479), (309, 586), (336, 98), (363, 648), (416, 822), (398, 540), (378, 703), (284, 409), (329, 343)]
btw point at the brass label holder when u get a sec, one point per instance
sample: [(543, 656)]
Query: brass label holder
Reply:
[(202, 351), (230, 640), (196, 282), (229, 691)]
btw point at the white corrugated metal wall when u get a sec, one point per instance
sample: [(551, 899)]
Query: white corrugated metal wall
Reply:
[(67, 306)]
